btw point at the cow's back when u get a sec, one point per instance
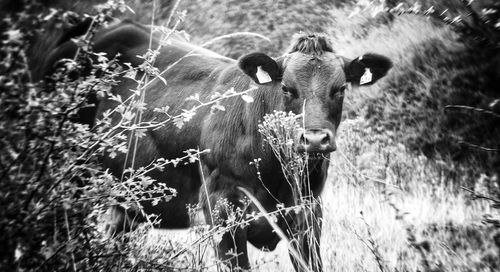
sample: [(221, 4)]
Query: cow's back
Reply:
[(187, 70)]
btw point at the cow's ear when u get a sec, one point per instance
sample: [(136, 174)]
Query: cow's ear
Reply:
[(367, 69), (260, 67)]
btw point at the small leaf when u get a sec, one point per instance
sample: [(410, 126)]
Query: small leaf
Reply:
[(14, 35), (161, 78), (139, 133), (146, 181), (195, 97), (247, 98), (215, 95), (159, 167), (188, 115), (229, 92), (162, 109), (128, 115), (117, 98), (217, 107), (112, 154), (179, 122), (132, 74)]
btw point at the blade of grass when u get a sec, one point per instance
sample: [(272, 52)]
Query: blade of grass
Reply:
[(276, 228)]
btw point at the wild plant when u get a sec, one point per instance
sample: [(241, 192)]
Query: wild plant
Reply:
[(55, 189), (279, 131)]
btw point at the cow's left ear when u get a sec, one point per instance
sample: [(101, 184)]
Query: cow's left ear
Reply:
[(367, 69), (260, 67)]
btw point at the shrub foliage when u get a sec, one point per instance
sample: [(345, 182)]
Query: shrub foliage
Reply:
[(54, 191)]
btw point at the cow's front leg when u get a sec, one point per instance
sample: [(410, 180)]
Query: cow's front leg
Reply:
[(226, 208), (305, 239)]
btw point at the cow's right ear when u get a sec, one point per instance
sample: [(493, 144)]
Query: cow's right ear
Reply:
[(260, 67), (367, 69)]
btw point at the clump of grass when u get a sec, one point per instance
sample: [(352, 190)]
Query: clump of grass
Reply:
[(279, 130), (371, 173), (372, 245)]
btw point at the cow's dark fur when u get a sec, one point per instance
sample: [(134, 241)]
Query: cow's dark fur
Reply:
[(310, 79)]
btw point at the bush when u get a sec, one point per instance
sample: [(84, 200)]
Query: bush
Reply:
[(442, 102), (54, 191)]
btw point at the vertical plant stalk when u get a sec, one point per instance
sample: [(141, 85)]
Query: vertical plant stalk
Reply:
[(279, 130), (276, 228), (66, 221), (205, 189)]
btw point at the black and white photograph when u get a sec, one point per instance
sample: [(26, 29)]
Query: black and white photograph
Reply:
[(250, 135)]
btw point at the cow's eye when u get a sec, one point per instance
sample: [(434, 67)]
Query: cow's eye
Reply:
[(291, 92), (338, 91)]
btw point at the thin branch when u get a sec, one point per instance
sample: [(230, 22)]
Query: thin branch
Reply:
[(172, 11), (43, 168), (469, 108), (482, 148), (66, 222), (373, 245), (276, 229), (480, 196), (20, 156), (46, 261)]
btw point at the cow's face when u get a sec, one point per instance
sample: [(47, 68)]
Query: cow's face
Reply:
[(313, 80)]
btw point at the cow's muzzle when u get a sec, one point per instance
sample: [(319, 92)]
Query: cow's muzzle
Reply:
[(316, 141)]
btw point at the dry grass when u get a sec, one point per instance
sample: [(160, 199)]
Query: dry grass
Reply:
[(398, 39), (344, 201), (447, 220)]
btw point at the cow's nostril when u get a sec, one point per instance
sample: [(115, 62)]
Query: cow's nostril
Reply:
[(326, 139), (303, 139)]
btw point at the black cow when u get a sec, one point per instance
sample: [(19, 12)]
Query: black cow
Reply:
[(309, 79)]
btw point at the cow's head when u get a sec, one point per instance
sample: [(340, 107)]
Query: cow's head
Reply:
[(313, 79)]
